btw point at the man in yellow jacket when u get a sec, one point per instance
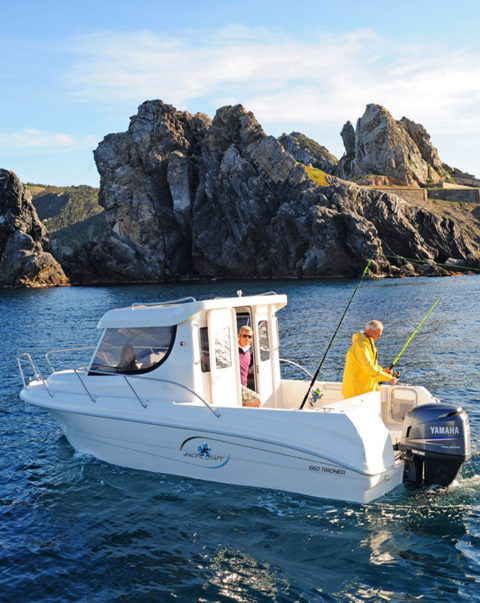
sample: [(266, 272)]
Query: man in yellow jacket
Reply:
[(362, 373)]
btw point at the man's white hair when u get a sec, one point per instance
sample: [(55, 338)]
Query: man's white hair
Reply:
[(373, 325)]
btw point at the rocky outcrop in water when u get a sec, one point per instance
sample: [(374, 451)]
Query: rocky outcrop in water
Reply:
[(25, 258), (187, 197), (400, 151)]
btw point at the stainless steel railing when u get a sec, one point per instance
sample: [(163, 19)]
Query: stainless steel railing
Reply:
[(127, 378), (36, 372), (181, 300), (62, 351), (177, 384), (297, 365)]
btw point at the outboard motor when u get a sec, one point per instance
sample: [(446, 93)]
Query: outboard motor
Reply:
[(435, 442)]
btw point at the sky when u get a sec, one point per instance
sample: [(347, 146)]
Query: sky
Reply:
[(73, 71)]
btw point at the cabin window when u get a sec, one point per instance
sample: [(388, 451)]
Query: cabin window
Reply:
[(263, 340), (223, 355), (204, 349), (133, 350)]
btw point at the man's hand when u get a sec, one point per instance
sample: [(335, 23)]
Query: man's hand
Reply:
[(395, 376)]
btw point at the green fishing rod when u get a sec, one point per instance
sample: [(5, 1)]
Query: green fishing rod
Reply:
[(314, 378), (414, 333)]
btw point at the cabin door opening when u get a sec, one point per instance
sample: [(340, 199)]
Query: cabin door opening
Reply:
[(244, 318)]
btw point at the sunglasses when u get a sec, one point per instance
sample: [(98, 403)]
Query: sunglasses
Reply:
[(243, 335)]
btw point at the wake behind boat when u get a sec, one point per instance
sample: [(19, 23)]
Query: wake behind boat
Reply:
[(162, 393)]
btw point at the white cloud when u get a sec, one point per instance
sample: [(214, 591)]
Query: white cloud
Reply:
[(326, 78), (129, 66), (317, 82), (32, 140)]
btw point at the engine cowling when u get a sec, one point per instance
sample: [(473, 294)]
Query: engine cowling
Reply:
[(435, 443)]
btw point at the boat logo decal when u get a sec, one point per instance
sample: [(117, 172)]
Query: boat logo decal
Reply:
[(201, 452), (204, 450)]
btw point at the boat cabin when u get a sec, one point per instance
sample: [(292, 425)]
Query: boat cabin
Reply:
[(194, 345)]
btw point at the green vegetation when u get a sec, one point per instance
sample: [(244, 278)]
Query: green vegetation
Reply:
[(71, 215), (66, 239), (317, 150), (59, 207), (318, 176)]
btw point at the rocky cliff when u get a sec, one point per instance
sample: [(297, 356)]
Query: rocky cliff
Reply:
[(397, 152), (187, 197), (25, 260)]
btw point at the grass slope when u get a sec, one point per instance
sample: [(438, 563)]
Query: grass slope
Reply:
[(59, 207)]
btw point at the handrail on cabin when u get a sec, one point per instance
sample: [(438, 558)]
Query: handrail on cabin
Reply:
[(181, 300)]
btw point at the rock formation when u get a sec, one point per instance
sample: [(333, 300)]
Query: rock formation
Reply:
[(309, 152), (187, 197), (400, 151), (149, 178), (25, 260)]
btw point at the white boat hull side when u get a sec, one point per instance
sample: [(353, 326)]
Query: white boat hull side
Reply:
[(208, 455)]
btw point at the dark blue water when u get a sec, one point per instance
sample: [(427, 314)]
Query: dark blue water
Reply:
[(76, 529)]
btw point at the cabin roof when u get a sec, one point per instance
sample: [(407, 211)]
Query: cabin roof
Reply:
[(168, 313)]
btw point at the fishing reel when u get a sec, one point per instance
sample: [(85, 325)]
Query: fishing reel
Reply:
[(315, 396), (394, 373)]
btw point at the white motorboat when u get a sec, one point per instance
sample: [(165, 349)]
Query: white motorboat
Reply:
[(177, 408)]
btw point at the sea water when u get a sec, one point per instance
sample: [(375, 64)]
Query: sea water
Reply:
[(73, 528)]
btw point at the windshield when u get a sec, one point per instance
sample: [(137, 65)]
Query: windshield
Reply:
[(133, 350)]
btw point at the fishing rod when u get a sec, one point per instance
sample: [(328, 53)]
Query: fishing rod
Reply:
[(314, 378), (414, 333), (455, 266)]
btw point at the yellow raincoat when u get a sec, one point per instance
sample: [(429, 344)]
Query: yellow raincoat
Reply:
[(362, 373)]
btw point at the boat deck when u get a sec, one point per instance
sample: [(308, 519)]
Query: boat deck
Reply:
[(395, 401)]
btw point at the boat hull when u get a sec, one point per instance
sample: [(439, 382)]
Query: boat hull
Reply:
[(214, 455)]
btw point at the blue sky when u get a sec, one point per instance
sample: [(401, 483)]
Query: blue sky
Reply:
[(72, 72)]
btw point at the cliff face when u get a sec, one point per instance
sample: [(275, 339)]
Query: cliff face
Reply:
[(149, 176), (187, 197), (25, 260), (400, 151)]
